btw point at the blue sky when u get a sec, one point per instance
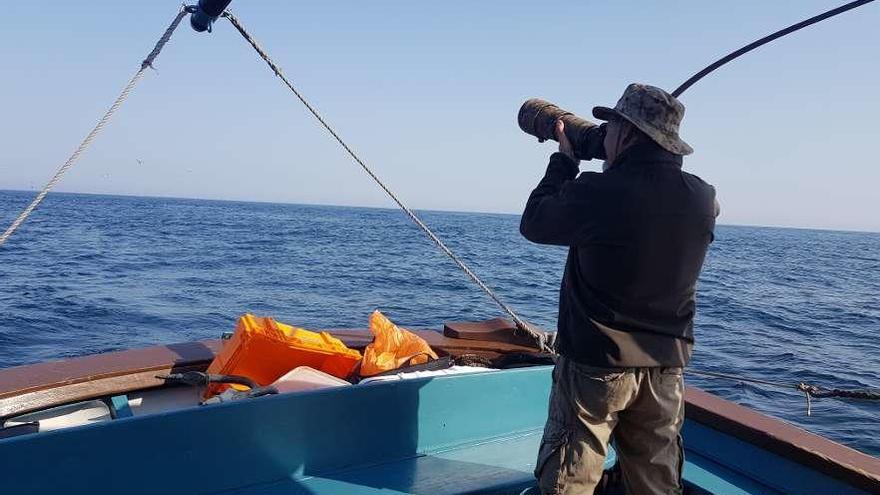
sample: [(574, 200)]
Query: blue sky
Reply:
[(428, 93)]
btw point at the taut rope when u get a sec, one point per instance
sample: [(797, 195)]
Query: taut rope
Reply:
[(147, 62), (539, 337)]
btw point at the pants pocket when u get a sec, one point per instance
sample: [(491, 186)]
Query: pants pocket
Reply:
[(595, 373), (671, 379), (674, 371), (549, 463)]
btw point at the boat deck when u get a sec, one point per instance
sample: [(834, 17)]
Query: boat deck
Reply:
[(458, 434), (501, 466)]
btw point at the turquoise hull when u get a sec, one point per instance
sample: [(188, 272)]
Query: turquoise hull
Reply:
[(463, 434)]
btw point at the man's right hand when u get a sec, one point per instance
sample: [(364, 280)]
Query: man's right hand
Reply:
[(564, 144)]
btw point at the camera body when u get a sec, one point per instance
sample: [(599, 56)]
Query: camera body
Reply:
[(538, 117)]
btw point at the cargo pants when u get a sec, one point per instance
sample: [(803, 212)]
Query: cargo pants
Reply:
[(642, 409)]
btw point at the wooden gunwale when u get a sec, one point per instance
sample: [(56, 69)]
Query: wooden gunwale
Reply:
[(32, 387), (40, 385), (818, 453)]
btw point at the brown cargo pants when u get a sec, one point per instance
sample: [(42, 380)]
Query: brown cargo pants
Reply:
[(642, 407)]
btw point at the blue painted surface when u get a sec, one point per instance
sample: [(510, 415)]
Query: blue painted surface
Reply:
[(462, 434), (716, 478), (120, 407), (759, 465)]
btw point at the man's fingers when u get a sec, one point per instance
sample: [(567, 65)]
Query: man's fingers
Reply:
[(564, 145)]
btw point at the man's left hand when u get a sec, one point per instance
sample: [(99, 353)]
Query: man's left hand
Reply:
[(564, 144)]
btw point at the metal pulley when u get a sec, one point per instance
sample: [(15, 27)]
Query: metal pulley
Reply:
[(206, 12)]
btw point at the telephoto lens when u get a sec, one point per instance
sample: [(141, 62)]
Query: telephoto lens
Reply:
[(538, 117)]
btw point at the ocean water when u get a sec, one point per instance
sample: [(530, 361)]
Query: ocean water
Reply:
[(89, 274)]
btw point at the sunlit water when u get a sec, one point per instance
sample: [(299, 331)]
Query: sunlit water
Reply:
[(89, 274)]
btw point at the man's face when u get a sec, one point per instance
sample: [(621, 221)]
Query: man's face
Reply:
[(612, 142)]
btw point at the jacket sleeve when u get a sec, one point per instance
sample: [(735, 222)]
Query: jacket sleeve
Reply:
[(552, 212)]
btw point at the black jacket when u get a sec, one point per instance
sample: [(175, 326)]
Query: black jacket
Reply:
[(637, 236)]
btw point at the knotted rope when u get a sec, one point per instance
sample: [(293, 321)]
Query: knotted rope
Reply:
[(147, 62), (809, 391)]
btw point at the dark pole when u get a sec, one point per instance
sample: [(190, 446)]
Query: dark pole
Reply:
[(767, 39)]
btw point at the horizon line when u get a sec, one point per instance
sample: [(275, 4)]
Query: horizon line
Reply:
[(395, 208)]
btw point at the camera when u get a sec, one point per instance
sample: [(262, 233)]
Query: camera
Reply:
[(538, 117)]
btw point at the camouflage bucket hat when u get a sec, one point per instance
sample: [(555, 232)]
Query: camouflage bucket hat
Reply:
[(653, 111)]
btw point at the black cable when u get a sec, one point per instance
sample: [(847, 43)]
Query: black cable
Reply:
[(813, 390), (763, 41), (197, 378)]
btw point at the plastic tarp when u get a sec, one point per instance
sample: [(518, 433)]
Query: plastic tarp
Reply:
[(392, 347)]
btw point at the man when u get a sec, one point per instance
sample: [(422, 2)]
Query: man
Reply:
[(637, 235)]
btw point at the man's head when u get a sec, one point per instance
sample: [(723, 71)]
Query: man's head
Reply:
[(620, 135), (643, 113)]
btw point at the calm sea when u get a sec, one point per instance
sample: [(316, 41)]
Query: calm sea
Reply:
[(89, 274)]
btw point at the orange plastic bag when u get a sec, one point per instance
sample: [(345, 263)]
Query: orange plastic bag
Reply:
[(392, 347)]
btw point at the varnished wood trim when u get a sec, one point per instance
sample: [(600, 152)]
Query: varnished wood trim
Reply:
[(37, 386), (76, 392), (54, 374)]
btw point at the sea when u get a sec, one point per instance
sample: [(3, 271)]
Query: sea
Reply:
[(92, 273)]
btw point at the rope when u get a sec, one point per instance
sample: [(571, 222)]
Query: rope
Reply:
[(809, 391), (863, 394), (741, 379), (539, 337), (763, 41), (147, 62)]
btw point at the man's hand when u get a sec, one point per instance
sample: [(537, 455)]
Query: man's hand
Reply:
[(564, 143)]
